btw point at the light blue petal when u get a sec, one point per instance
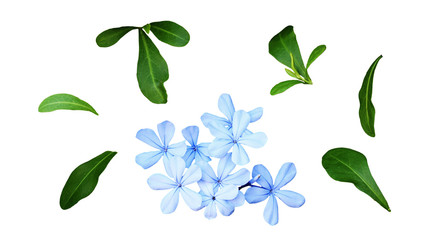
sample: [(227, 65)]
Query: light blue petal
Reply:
[(206, 188), (286, 173), (191, 198), (256, 194), (239, 123), (170, 201), (255, 140), (193, 174), (147, 159), (238, 178), (239, 200), (218, 130), (239, 155), (228, 192), (255, 114), (270, 214), (265, 179), (208, 173), (205, 199), (189, 156), (200, 157), (225, 207), (225, 166), (167, 158), (166, 130), (210, 212), (226, 106), (290, 198), (174, 167), (254, 179), (207, 118), (160, 182), (191, 134), (219, 147), (177, 149), (149, 137)]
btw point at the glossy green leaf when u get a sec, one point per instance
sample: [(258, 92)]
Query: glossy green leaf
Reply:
[(366, 107), (84, 179), (170, 33), (347, 165), (64, 101), (111, 36), (315, 54), (147, 28), (283, 86), (290, 73), (152, 70)]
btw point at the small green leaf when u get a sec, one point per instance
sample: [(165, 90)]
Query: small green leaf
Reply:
[(315, 54), (65, 102), (111, 36), (366, 107), (170, 33), (282, 86), (147, 28), (152, 70), (290, 73), (84, 179), (347, 165)]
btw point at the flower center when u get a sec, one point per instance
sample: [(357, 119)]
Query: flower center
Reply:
[(213, 198)]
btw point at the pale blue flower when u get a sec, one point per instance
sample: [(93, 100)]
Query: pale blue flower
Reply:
[(195, 151), (219, 198), (272, 190), (177, 183), (166, 131), (234, 138)]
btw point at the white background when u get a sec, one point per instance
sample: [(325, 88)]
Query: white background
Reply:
[(48, 47)]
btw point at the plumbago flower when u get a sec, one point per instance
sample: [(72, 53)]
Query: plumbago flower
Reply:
[(219, 198), (194, 151), (269, 189)]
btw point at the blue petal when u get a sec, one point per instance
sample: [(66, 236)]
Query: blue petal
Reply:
[(160, 182), (286, 173), (208, 173), (239, 123), (200, 157), (270, 214), (174, 167), (254, 179), (205, 199), (166, 130), (218, 130), (210, 212), (170, 201), (239, 155), (193, 174), (219, 147), (255, 114), (225, 166), (147, 159), (203, 151), (238, 178), (207, 118), (189, 156), (226, 106), (149, 137), (265, 179), (225, 207), (255, 140), (191, 198), (207, 188), (228, 192), (290, 198), (177, 149), (191, 134), (239, 200), (256, 194)]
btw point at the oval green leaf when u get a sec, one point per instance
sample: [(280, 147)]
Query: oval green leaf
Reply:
[(315, 54), (283, 86), (111, 36), (170, 33), (84, 179), (366, 107), (290, 73), (64, 101), (347, 165), (152, 70)]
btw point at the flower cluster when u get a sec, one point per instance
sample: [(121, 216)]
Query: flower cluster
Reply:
[(220, 190)]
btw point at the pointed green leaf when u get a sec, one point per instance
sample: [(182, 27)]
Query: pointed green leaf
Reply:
[(84, 179), (152, 70), (282, 86), (290, 73), (284, 43), (366, 107), (347, 165), (111, 36), (315, 54), (147, 28), (65, 102), (170, 33)]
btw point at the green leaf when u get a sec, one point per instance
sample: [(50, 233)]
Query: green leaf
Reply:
[(347, 165), (282, 86), (366, 107), (290, 73), (147, 28), (315, 54), (111, 36), (66, 102), (170, 33), (152, 70), (84, 179), (282, 45)]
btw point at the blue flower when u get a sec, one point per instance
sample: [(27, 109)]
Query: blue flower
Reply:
[(234, 138), (227, 108), (194, 151), (166, 131), (267, 189), (217, 198), (177, 183)]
